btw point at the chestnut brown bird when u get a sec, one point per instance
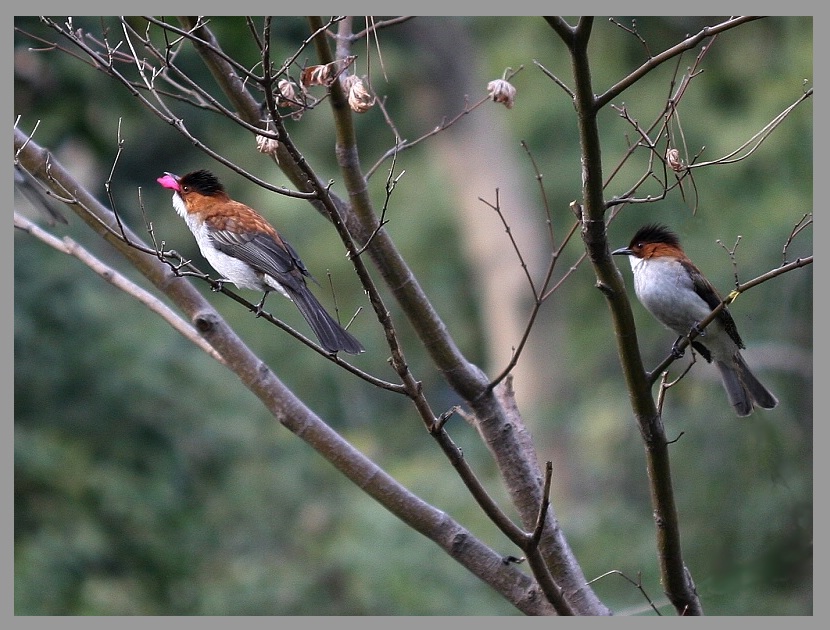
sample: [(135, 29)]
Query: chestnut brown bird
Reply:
[(246, 250), (677, 293)]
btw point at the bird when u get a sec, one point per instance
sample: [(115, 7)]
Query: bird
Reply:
[(247, 251), (679, 296)]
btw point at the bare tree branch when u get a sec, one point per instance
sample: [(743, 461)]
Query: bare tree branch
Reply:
[(677, 582)]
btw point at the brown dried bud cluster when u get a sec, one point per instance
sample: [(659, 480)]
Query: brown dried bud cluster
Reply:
[(674, 161), (502, 91), (360, 99)]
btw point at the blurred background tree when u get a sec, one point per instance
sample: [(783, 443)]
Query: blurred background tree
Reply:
[(147, 481)]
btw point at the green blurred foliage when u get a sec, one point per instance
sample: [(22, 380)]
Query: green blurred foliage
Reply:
[(149, 481)]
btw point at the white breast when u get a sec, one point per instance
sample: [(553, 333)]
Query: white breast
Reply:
[(666, 290)]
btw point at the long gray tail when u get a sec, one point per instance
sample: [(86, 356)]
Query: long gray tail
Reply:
[(331, 335), (745, 392)]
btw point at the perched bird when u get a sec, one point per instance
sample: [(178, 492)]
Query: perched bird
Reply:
[(675, 291), (246, 250)]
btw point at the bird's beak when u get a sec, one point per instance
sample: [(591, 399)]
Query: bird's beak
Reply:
[(169, 181), (626, 251)]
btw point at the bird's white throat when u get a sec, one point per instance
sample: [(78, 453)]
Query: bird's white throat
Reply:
[(178, 204)]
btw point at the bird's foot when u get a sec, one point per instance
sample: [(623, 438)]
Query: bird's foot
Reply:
[(218, 285), (258, 311), (676, 351)]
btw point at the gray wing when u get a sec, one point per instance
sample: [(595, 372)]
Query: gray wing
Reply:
[(265, 254)]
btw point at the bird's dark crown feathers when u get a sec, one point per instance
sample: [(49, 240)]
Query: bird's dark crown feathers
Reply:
[(655, 233), (203, 182)]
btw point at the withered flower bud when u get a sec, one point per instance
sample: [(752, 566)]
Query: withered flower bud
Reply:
[(674, 161), (287, 93), (360, 99), (316, 75), (267, 145), (502, 91)]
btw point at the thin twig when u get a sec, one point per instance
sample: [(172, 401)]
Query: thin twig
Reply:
[(72, 248), (638, 583), (803, 223)]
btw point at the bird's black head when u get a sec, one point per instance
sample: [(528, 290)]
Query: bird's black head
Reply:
[(654, 233), (203, 182)]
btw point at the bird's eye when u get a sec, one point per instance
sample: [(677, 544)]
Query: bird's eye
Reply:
[(185, 188)]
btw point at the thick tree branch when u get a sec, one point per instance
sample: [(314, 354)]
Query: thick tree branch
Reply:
[(676, 580), (519, 467)]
